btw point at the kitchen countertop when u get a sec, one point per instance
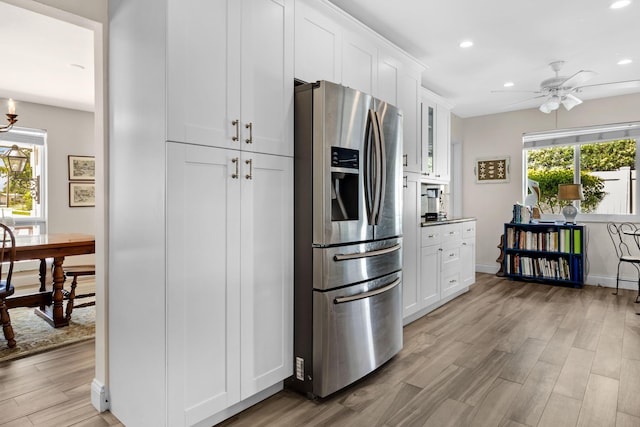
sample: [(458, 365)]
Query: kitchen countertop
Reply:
[(446, 221)]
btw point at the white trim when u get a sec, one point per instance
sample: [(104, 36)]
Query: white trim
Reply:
[(99, 396), (581, 135)]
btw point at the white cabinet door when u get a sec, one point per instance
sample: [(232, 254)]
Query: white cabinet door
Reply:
[(411, 245), (267, 76), (468, 262), (430, 275), (443, 143), (428, 137), (203, 71), (359, 63), (203, 282), (267, 271), (409, 103), (230, 74), (318, 46)]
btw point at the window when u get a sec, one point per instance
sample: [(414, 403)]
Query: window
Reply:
[(21, 192), (603, 159)]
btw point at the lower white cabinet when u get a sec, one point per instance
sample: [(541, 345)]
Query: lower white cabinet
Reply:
[(229, 292), (468, 254), (447, 266), (411, 244)]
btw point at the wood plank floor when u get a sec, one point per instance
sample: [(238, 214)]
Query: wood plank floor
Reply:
[(504, 354), (52, 388)]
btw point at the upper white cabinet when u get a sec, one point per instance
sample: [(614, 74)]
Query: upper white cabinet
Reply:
[(332, 46), (436, 137), (409, 103), (359, 63), (318, 45), (230, 74)]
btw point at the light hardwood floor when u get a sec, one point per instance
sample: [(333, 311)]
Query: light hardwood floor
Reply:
[(504, 354)]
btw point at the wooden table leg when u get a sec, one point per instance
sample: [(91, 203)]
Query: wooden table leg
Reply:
[(54, 314), (43, 275)]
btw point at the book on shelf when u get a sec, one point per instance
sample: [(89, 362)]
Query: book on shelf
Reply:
[(521, 214)]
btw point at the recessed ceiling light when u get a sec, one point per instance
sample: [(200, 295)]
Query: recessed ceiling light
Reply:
[(508, 84), (466, 43), (625, 61), (619, 4)]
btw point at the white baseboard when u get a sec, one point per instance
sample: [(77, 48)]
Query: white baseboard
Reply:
[(99, 396), (595, 280), (241, 406), (491, 269)]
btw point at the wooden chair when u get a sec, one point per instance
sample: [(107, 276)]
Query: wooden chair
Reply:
[(7, 258), (70, 296), (627, 253)]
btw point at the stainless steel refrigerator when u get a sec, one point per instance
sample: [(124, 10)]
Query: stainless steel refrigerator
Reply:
[(348, 236)]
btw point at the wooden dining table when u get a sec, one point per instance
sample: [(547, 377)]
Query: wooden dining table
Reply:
[(48, 300)]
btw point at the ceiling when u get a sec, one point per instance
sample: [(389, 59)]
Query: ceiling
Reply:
[(514, 40), (46, 61)]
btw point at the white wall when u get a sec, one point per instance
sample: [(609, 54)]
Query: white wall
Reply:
[(491, 204), (68, 132)]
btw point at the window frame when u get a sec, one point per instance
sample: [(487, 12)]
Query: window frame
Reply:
[(576, 137), (23, 137)]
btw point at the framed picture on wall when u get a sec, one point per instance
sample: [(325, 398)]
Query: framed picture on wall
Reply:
[(492, 170), (82, 194), (82, 168)]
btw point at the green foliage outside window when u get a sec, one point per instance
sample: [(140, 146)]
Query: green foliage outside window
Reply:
[(554, 165)]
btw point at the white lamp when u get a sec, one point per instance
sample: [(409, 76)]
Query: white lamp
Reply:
[(570, 192), (552, 104)]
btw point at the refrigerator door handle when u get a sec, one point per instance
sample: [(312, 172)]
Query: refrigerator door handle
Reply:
[(363, 295), (369, 172), (382, 164), (358, 255)]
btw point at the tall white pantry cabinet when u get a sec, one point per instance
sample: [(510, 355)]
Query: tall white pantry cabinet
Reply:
[(202, 99)]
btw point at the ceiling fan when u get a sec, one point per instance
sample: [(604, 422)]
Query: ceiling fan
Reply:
[(561, 90)]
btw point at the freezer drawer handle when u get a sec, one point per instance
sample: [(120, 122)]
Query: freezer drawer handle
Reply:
[(341, 300), (346, 257)]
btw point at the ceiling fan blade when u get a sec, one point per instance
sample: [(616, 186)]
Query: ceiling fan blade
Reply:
[(515, 91), (577, 79), (525, 100), (623, 85)]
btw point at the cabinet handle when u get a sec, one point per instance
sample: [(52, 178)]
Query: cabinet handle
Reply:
[(236, 123), (404, 184), (452, 281), (440, 249), (405, 160), (250, 174), (451, 255), (250, 127), (235, 175), (464, 243)]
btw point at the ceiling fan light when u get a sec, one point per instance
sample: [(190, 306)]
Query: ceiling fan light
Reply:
[(619, 4), (569, 101)]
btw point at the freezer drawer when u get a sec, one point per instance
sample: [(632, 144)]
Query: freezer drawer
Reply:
[(356, 329), (343, 265)]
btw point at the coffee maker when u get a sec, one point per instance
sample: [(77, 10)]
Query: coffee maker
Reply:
[(432, 202)]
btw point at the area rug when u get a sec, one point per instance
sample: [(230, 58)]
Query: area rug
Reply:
[(34, 335)]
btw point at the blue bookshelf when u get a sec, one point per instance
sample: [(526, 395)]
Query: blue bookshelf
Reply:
[(545, 252)]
